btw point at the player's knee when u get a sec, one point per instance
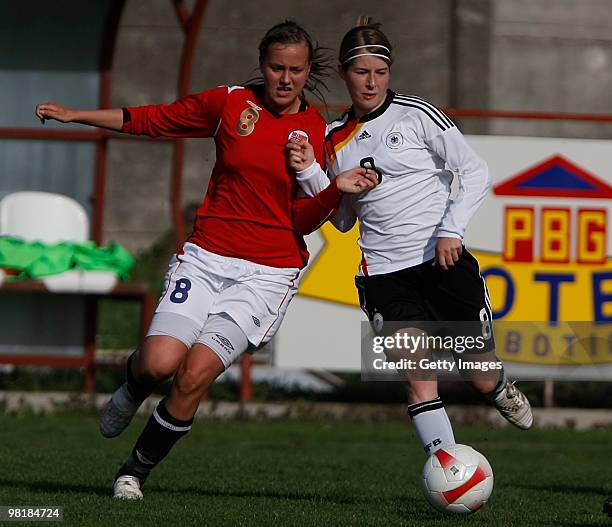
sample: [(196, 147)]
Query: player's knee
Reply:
[(192, 380), (158, 370), (159, 358), (190, 383), (186, 382), (419, 392)]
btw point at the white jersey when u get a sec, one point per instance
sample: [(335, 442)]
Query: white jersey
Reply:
[(416, 148)]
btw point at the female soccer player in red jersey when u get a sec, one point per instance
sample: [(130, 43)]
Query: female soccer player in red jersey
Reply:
[(230, 285), (415, 269)]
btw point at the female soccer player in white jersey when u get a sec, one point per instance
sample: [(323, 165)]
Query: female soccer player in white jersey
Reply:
[(414, 266), (230, 285)]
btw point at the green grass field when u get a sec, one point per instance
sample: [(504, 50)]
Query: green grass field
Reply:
[(298, 473)]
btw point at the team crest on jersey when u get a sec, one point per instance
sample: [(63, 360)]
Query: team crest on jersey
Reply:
[(247, 120), (298, 136), (394, 140)]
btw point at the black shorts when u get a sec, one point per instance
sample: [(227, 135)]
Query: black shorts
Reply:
[(453, 301)]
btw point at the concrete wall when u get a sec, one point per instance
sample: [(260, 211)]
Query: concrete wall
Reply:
[(552, 55), (146, 71), (549, 55)]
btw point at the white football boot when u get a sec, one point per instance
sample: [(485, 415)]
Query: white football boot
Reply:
[(118, 412), (127, 488), (514, 406)]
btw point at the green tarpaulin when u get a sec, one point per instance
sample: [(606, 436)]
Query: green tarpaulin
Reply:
[(36, 260)]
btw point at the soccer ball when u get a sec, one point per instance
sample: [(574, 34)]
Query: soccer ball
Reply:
[(457, 479)]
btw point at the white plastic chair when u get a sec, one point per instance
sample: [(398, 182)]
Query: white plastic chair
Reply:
[(43, 216), (52, 218)]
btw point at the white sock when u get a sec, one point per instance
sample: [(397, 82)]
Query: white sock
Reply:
[(432, 425)]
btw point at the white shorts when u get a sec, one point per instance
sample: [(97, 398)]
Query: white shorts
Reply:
[(200, 283)]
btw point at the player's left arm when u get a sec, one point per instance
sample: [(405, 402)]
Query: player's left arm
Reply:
[(313, 180), (474, 180), (310, 213), (474, 183)]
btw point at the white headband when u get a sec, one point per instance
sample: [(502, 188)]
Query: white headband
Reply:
[(367, 55), (369, 46), (387, 57)]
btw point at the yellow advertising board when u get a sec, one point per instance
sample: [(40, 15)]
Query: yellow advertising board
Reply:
[(543, 242)]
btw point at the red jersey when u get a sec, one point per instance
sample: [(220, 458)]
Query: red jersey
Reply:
[(247, 211)]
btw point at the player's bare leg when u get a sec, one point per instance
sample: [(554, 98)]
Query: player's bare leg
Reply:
[(171, 420), (157, 360), (193, 378)]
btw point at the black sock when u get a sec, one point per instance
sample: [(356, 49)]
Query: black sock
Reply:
[(157, 439), (138, 390), (499, 387)]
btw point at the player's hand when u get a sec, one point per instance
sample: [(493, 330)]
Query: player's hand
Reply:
[(357, 180), (300, 154), (448, 251), (51, 110)]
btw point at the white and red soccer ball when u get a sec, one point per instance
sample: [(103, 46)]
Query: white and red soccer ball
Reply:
[(457, 479)]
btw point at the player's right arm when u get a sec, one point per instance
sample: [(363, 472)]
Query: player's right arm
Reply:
[(196, 115), (111, 118), (309, 213)]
